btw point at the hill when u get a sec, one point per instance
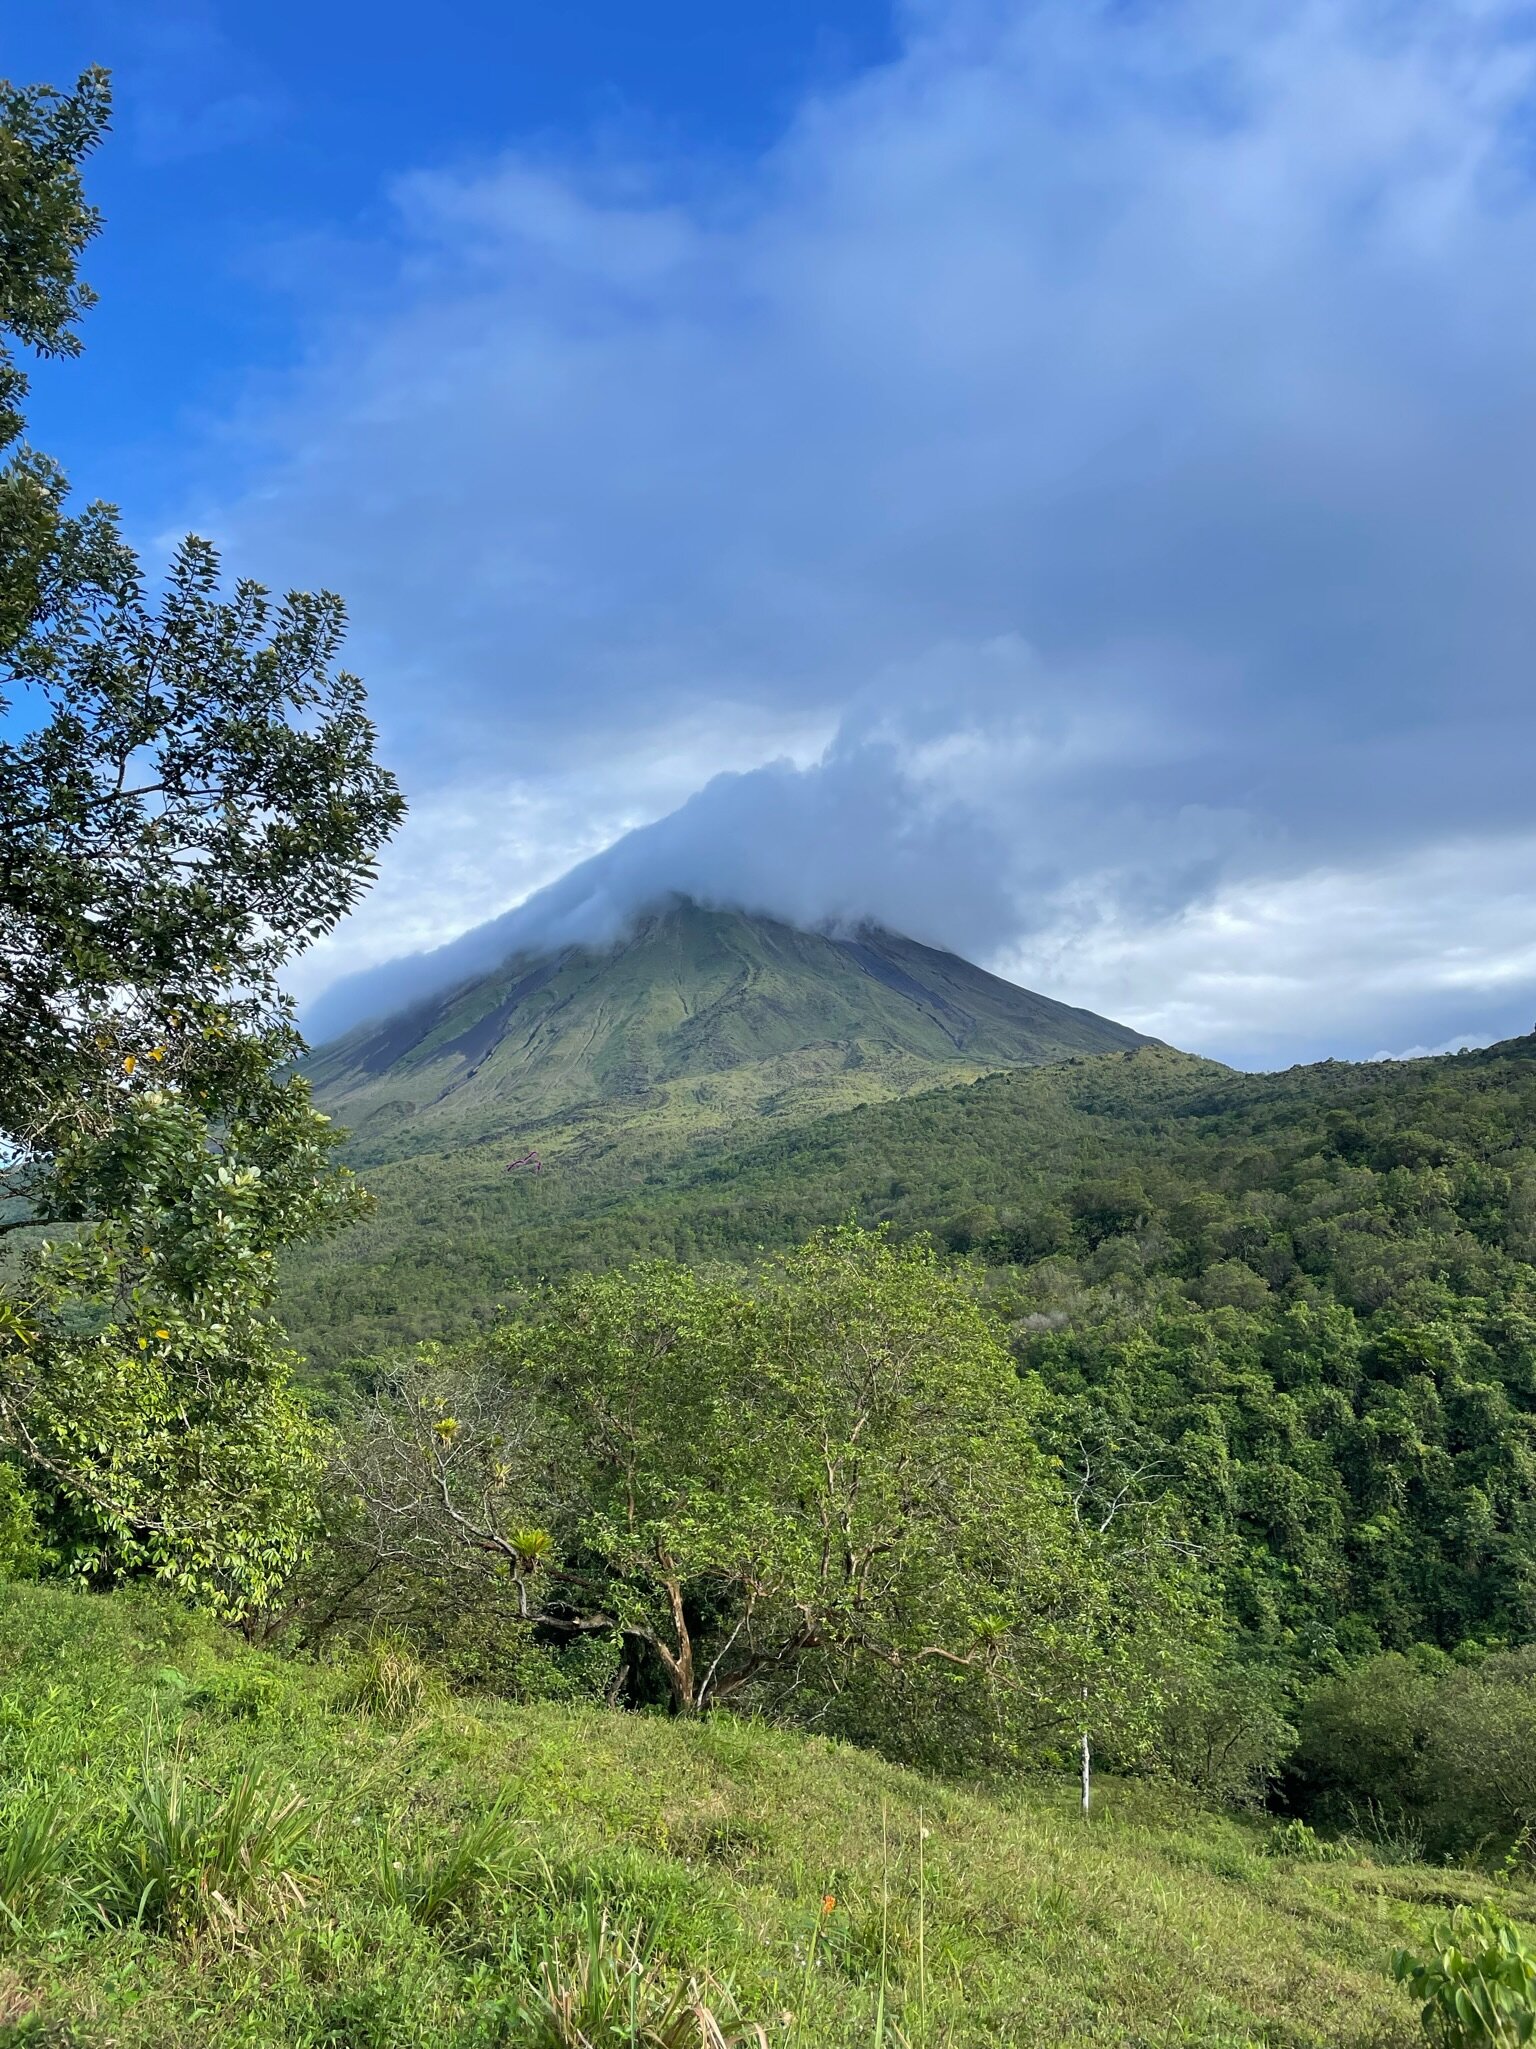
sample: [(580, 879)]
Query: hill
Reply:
[(618, 1859), (707, 1014), (1286, 1202)]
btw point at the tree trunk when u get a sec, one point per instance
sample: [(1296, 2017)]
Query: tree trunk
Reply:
[(679, 1665), (1087, 1776)]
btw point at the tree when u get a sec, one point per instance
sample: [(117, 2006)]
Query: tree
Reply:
[(45, 225), (188, 798), (1142, 1629), (774, 1484)]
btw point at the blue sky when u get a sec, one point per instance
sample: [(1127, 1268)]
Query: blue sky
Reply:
[(1057, 475), (248, 138)]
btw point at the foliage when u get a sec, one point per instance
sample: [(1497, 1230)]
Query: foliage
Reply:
[(143, 1374), (35, 1849), (1224, 1729), (23, 1554), (436, 1885), (187, 1856), (387, 1679), (44, 137), (1353, 1443), (823, 1478), (196, 801), (188, 798), (1447, 1748), (1297, 1838), (598, 1982), (1478, 1984)]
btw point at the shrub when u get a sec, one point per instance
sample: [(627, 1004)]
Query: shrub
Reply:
[(1441, 1753), (439, 1884), (1224, 1732), (1297, 1839), (186, 1856), (387, 1679), (1478, 1984), (23, 1553), (234, 1695)]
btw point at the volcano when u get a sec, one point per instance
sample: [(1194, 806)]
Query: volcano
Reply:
[(717, 1009)]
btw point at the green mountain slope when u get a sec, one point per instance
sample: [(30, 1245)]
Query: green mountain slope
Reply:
[(710, 1013)]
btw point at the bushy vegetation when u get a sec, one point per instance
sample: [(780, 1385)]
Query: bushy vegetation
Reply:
[(1304, 1301), (188, 799), (1444, 1749), (814, 1491), (1478, 1983)]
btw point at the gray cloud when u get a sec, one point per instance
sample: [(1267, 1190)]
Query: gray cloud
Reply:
[(1116, 424)]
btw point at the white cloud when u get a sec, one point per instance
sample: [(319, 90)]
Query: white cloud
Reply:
[(1265, 972), (468, 851), (1117, 424), (1458, 1042)]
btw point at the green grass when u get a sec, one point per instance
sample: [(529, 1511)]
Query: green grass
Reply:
[(472, 1874)]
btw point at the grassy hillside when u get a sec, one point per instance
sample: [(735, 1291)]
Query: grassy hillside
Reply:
[(738, 1008), (726, 1850)]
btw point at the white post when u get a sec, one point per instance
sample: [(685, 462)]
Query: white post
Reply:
[(1087, 1761)]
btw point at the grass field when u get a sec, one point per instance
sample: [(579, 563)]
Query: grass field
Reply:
[(465, 1873)]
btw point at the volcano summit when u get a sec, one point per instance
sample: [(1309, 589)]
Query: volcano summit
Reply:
[(714, 1007)]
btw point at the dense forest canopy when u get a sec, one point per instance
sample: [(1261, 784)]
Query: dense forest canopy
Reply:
[(1302, 1303)]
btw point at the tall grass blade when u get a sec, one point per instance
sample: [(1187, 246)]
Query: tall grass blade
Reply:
[(186, 1856), (34, 1849), (435, 1886)]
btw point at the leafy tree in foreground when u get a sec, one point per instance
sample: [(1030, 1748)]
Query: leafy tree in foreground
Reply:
[(188, 798), (815, 1481)]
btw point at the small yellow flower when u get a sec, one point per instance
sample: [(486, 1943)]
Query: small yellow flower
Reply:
[(157, 1052), (143, 1344), (130, 1062), (162, 1334)]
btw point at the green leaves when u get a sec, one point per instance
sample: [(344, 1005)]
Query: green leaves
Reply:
[(814, 1488), (1478, 1984), (197, 802), (188, 798), (145, 1384)]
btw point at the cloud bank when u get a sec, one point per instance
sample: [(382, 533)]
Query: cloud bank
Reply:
[(1096, 449)]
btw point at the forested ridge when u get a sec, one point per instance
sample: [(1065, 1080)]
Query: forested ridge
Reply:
[(1336, 1182), (1303, 1301)]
